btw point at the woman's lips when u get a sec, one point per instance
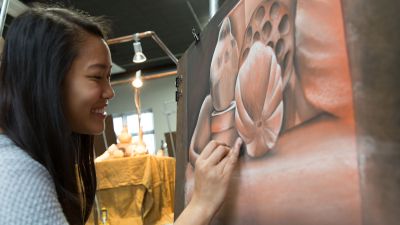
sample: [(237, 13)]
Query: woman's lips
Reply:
[(100, 112)]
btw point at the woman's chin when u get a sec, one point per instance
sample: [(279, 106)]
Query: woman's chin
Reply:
[(93, 130), (97, 130)]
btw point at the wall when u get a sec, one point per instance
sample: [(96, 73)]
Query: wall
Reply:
[(153, 95)]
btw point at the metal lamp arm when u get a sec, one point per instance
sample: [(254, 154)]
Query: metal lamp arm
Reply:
[(139, 36), (164, 47)]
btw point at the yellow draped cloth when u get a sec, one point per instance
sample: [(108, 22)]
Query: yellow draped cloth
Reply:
[(137, 190)]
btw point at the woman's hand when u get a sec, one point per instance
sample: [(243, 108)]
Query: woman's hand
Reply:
[(213, 171)]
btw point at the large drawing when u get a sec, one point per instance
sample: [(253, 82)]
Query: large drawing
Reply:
[(276, 73)]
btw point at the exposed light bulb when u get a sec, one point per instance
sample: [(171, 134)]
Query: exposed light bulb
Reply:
[(137, 82)]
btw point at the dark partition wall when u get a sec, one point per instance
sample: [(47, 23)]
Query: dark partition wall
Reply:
[(373, 37), (310, 86)]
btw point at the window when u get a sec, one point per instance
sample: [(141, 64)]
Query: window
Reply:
[(131, 121)]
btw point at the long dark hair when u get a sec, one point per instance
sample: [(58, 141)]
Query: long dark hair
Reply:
[(39, 49)]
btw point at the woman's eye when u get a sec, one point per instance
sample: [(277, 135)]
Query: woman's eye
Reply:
[(96, 77)]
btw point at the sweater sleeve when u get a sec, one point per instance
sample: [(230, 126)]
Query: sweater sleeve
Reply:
[(27, 191)]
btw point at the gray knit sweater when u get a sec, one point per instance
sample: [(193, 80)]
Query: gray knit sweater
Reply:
[(27, 192)]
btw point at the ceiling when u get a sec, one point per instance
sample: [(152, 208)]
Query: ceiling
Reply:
[(172, 21)]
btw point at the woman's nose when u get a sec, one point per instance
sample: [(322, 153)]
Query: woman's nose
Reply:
[(108, 93)]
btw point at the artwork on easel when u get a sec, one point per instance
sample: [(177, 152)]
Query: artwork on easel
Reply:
[(276, 74)]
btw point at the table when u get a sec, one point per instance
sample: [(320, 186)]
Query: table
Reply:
[(137, 190)]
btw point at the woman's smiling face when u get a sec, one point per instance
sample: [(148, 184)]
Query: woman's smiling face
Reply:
[(87, 88)]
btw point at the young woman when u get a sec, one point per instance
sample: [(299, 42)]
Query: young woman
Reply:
[(54, 89)]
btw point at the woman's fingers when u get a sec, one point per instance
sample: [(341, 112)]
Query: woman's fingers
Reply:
[(209, 149), (232, 157), (218, 154), (228, 163)]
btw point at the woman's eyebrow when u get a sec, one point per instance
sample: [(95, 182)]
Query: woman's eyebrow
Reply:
[(99, 66)]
